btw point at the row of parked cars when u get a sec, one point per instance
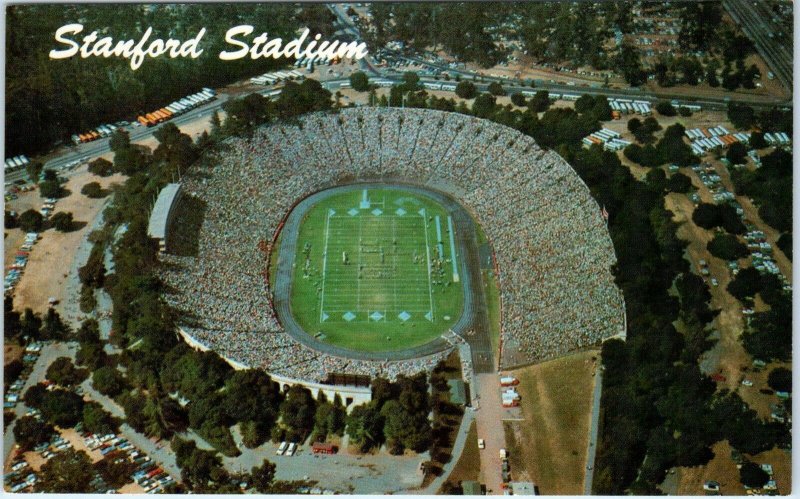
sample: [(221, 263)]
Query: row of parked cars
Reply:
[(14, 271), (14, 392), (148, 474), (98, 133)]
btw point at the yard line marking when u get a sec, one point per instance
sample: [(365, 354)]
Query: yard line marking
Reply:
[(452, 249), (428, 260), (358, 269), (324, 263)]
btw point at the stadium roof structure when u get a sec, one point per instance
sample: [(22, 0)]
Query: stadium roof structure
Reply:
[(157, 228)]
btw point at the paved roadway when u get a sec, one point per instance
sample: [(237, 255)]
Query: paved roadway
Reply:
[(593, 430), (489, 424)]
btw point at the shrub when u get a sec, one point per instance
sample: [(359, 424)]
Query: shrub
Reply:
[(466, 90)]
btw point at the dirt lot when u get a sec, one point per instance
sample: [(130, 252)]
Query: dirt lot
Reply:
[(51, 257), (723, 470), (12, 352), (551, 443)]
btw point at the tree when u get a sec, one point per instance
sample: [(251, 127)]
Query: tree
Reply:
[(30, 432), (93, 190), (34, 170), (496, 89), (706, 215), (53, 328), (297, 412), (101, 166), (484, 105), (88, 332), (751, 475), (365, 425), (119, 141), (785, 244), (96, 420), (410, 81), (466, 90), (115, 473), (62, 221), (665, 108), (746, 283), (12, 320), (359, 81), (780, 380), (679, 182), (262, 476), (62, 408), (91, 355), (727, 247), (737, 153), (31, 221), (50, 189), (67, 472), (741, 115), (64, 373), (253, 434), (757, 140), (539, 102), (108, 381), (518, 99), (634, 124)]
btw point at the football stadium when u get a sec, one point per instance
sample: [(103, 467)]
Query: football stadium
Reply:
[(353, 243)]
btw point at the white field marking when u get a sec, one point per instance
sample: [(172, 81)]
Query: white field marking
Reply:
[(452, 249), (324, 263), (358, 269), (428, 252)]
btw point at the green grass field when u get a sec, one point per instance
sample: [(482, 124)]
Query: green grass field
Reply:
[(374, 271)]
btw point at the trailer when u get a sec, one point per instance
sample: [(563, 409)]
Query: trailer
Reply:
[(508, 381)]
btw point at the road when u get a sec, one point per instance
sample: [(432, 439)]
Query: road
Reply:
[(593, 431), (763, 28), (488, 418)]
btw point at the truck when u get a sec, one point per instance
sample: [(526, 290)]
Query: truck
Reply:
[(508, 381)]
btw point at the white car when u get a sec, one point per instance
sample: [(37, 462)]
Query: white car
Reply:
[(747, 382), (481, 444), (714, 282)]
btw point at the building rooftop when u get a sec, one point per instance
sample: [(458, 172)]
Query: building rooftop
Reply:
[(458, 392), (471, 488), (523, 488)]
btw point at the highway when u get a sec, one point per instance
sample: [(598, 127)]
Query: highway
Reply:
[(758, 22)]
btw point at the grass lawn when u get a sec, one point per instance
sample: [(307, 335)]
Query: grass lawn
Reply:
[(550, 445), (374, 270), (468, 466)]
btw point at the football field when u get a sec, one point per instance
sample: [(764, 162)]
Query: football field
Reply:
[(376, 270)]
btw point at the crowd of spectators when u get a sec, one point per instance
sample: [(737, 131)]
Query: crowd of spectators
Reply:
[(553, 252)]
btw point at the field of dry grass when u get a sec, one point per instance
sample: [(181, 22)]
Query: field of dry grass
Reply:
[(549, 446)]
